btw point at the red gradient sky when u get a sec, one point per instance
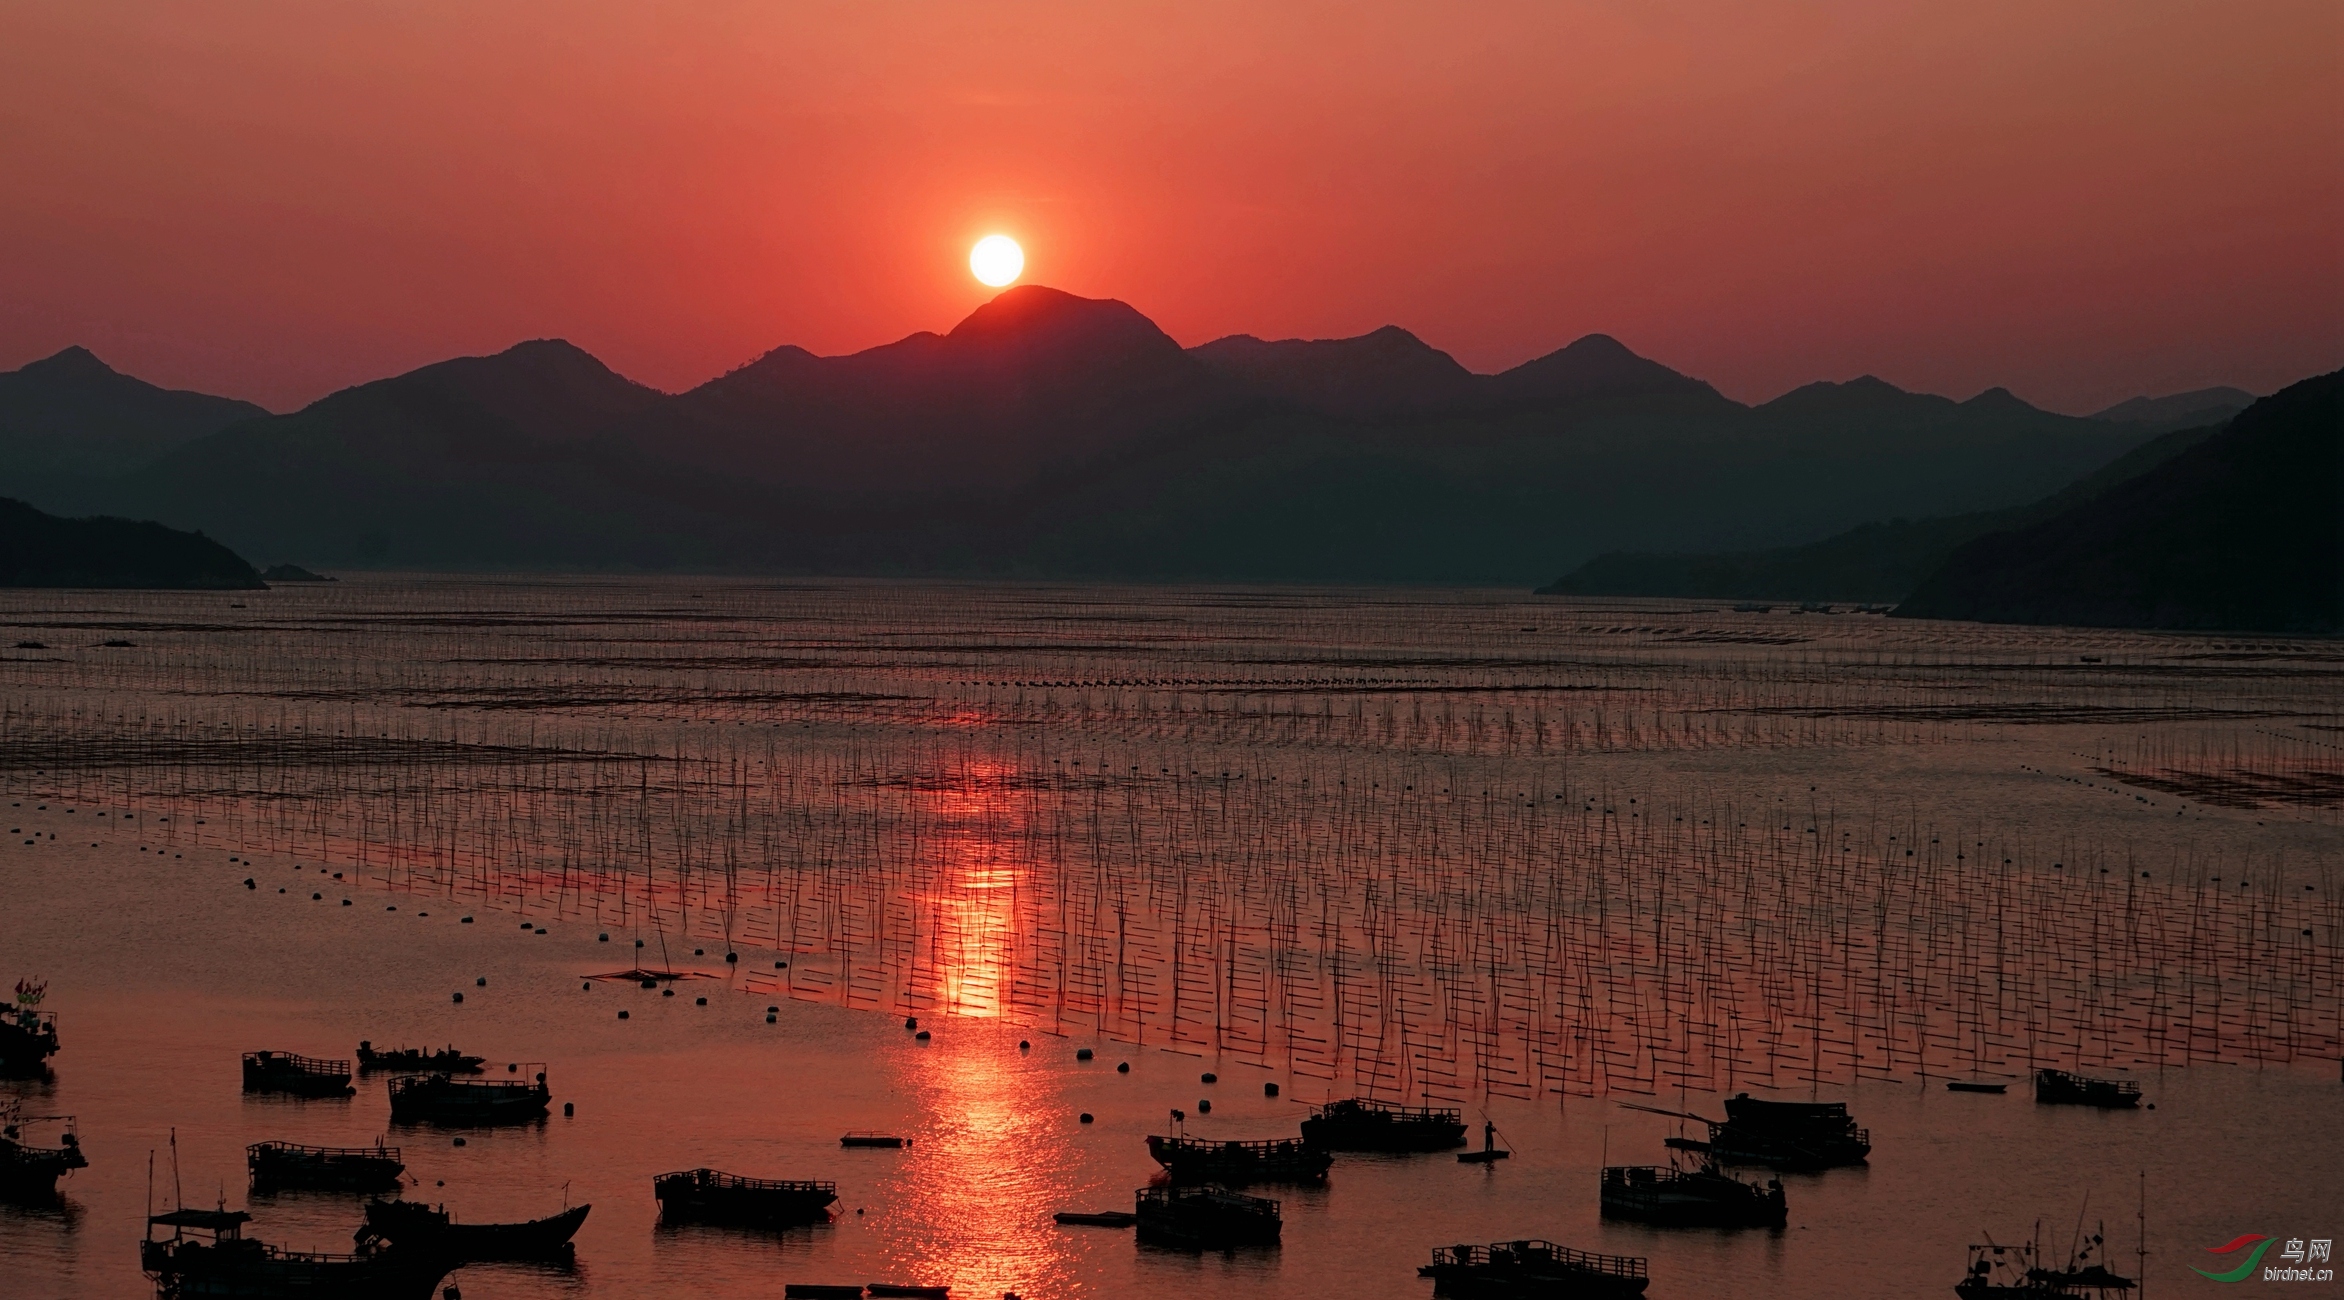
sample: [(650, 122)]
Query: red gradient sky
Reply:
[(2078, 200)]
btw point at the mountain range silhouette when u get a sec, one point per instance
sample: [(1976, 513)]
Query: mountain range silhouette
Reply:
[(1053, 435)]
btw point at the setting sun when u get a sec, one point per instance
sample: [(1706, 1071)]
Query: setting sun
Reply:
[(996, 260)]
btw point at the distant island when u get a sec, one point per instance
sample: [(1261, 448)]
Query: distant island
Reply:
[(1881, 562), (2243, 531), (42, 550), (293, 573)]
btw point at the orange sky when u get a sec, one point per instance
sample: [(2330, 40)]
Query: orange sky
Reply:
[(2080, 201)]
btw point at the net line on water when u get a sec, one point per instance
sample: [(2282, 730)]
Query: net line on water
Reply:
[(1324, 840)]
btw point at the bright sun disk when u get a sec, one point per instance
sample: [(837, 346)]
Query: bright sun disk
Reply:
[(996, 260)]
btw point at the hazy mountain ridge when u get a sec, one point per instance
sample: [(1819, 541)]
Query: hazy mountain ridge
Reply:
[(2243, 531), (1053, 434), (2179, 410), (1882, 561), (73, 414)]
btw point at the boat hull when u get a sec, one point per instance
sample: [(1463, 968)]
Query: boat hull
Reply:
[(440, 1100), (1206, 1219), (334, 1171), (28, 1171), (1473, 1284), (1361, 1125), (194, 1271), (27, 1041), (411, 1226), (711, 1197), (1674, 1199), (1233, 1164)]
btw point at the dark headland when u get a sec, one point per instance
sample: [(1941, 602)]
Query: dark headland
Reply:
[(42, 550), (2238, 532)]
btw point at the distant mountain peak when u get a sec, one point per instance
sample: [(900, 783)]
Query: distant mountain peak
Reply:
[(75, 362), (1999, 399), (1035, 309), (1590, 366)]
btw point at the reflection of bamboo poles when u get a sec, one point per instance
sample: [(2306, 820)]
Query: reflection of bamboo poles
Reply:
[(1296, 836)]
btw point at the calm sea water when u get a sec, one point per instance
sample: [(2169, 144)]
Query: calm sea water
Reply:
[(163, 966)]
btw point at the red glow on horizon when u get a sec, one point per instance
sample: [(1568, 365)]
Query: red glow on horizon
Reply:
[(2081, 202)]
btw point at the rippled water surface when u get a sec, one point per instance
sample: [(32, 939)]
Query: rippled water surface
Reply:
[(1532, 859)]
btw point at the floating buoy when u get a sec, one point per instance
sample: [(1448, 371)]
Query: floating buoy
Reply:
[(770, 1010), (569, 1108), (651, 984), (1082, 1053), (638, 943), (459, 1141), (541, 929), (667, 993), (699, 952), (587, 987), (622, 1015), (699, 1002), (482, 982), (1210, 1077), (602, 938), (1024, 1046), (911, 1022), (467, 920), (921, 1036), (1204, 1106), (732, 956), (459, 997), (314, 897), (527, 926), (771, 1018), (1086, 1117), (1123, 1067), (248, 883), (345, 902), (280, 891), (1269, 1090), (781, 965)]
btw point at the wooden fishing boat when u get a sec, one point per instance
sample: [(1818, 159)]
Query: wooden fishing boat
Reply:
[(414, 1060), (277, 1165), (907, 1291), (431, 1227), (1364, 1124), (1522, 1270), (301, 1076), (219, 1263), (444, 1099), (866, 1138), (1234, 1163), (711, 1196), (1206, 1217), (29, 1170), (1964, 1085), (28, 1035), (2063, 1088), (1798, 1135), (2019, 1273), (1691, 1198), (1095, 1219)]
